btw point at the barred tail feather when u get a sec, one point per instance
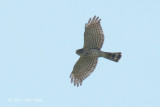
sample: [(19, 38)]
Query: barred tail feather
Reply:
[(112, 56)]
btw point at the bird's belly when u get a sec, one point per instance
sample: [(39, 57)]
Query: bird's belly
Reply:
[(94, 53)]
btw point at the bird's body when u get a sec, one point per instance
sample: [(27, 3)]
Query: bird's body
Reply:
[(93, 53), (93, 41), (89, 53)]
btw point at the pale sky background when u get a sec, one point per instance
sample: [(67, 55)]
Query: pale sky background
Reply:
[(38, 39)]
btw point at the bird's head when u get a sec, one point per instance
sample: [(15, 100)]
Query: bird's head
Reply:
[(79, 51)]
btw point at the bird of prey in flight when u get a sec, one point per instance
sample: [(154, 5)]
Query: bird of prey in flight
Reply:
[(93, 41)]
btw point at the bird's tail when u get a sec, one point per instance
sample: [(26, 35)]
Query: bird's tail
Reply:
[(112, 56)]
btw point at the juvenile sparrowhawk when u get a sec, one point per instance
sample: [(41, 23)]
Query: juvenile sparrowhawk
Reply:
[(93, 41)]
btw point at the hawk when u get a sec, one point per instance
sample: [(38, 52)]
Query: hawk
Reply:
[(93, 41)]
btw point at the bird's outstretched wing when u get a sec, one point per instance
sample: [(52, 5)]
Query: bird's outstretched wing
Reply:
[(93, 35), (82, 69)]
